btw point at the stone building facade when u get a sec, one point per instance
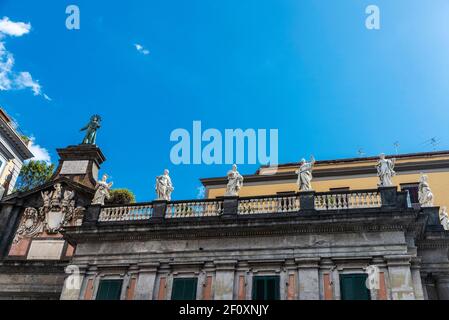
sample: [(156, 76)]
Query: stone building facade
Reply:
[(317, 245), (14, 150)]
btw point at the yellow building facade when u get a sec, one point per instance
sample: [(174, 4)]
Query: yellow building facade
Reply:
[(346, 174)]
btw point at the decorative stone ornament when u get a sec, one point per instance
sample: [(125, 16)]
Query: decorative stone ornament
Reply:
[(164, 186), (58, 210), (102, 191), (425, 195), (304, 173), (385, 171), (235, 182), (444, 219)]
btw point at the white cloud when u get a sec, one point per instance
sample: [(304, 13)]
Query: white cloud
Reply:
[(141, 49), (10, 79), (40, 153), (25, 80), (15, 29)]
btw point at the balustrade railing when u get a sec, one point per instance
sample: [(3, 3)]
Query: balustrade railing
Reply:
[(126, 213), (347, 200), (274, 204), (202, 208)]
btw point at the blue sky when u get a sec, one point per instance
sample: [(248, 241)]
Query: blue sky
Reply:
[(310, 69)]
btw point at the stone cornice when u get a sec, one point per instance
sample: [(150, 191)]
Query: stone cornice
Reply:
[(243, 226), (342, 171)]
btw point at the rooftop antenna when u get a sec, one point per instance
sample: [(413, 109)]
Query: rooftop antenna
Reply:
[(434, 142), (360, 152), (396, 146)]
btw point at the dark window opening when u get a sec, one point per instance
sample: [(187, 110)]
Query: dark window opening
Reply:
[(412, 189), (184, 289), (339, 189), (109, 290), (286, 193), (266, 288), (353, 287)]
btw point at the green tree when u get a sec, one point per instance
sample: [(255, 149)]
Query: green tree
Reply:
[(121, 196), (34, 174)]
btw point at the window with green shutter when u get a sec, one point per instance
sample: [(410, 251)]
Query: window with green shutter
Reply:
[(353, 287), (266, 288), (109, 290), (184, 289)]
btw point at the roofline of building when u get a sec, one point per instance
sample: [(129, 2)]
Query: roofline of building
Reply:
[(343, 171), (361, 159), (13, 136)]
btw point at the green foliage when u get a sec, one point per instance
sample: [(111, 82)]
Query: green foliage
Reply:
[(25, 138), (34, 174), (121, 196)]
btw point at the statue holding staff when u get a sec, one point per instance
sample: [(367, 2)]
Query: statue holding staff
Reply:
[(385, 170), (304, 173)]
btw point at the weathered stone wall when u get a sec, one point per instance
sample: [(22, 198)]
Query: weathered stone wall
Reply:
[(226, 265)]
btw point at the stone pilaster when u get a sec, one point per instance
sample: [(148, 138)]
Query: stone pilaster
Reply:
[(442, 286), (416, 277), (224, 279), (73, 282), (308, 278), (400, 276), (146, 280)]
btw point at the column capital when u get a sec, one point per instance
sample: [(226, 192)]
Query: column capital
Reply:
[(307, 262)]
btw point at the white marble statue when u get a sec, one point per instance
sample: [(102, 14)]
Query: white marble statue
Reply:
[(164, 186), (444, 219), (235, 182), (425, 195), (385, 171), (102, 191), (304, 173)]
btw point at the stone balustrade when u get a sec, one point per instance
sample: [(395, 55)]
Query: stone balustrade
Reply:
[(185, 209), (234, 206), (348, 200), (278, 204), (126, 213)]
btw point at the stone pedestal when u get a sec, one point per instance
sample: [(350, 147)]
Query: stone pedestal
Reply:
[(92, 215), (388, 196), (230, 206), (159, 209), (80, 163), (307, 200)]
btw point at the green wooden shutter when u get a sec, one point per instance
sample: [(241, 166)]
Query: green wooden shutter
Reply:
[(353, 287), (184, 289), (266, 288), (109, 290)]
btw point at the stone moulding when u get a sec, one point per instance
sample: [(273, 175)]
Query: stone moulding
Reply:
[(217, 227)]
